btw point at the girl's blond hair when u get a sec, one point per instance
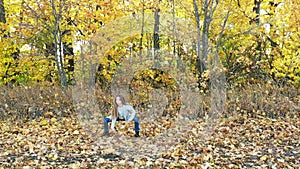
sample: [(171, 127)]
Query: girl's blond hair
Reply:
[(114, 110)]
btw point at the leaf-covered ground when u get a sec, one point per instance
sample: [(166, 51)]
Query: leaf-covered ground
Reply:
[(238, 142)]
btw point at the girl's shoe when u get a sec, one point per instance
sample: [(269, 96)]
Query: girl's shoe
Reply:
[(106, 133)]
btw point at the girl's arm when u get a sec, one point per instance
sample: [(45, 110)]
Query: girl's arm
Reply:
[(113, 118), (131, 112), (113, 123)]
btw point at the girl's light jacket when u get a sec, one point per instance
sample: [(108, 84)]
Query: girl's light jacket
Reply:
[(126, 112)]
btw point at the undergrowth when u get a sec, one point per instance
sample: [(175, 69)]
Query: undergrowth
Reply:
[(253, 100)]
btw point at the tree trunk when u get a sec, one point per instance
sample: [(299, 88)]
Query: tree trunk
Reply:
[(156, 30), (142, 31), (69, 51), (156, 45), (2, 12), (256, 9), (205, 31), (200, 64), (174, 28), (50, 49), (58, 45)]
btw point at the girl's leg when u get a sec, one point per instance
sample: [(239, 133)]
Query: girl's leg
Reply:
[(106, 120), (136, 126)]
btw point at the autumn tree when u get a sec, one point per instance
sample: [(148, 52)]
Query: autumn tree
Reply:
[(281, 41), (9, 50), (204, 19), (48, 30), (265, 47), (58, 25)]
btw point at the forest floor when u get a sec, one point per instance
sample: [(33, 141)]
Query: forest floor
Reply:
[(39, 129), (237, 142)]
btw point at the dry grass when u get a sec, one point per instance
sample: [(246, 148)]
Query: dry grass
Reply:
[(27, 102), (35, 100), (268, 100)]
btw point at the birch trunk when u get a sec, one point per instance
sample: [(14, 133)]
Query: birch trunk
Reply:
[(58, 47)]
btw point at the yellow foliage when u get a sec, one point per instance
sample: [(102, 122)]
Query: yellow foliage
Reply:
[(31, 23), (289, 66)]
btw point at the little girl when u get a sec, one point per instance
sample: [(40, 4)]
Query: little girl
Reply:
[(122, 111)]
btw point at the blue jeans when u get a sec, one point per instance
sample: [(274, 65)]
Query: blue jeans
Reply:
[(135, 119)]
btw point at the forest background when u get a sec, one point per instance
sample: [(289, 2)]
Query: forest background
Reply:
[(253, 46)]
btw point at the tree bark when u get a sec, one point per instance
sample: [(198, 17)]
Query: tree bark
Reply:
[(209, 7), (200, 64), (2, 12), (156, 30), (156, 44), (174, 27), (205, 31), (58, 45), (142, 31), (256, 9)]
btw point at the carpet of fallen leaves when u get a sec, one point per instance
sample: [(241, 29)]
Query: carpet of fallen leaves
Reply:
[(237, 142)]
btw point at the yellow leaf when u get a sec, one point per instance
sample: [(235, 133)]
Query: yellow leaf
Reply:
[(76, 132), (53, 119), (43, 122), (48, 114), (263, 158), (183, 162), (55, 156), (122, 162)]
